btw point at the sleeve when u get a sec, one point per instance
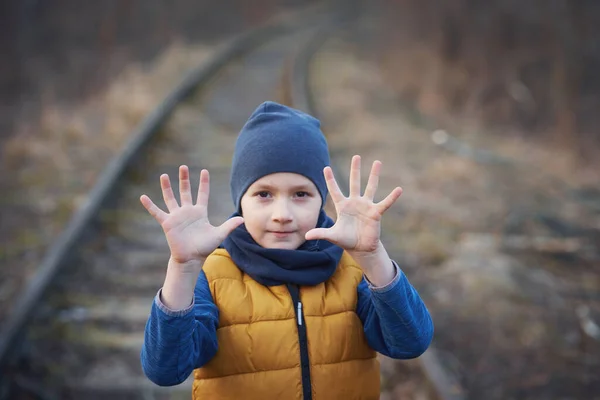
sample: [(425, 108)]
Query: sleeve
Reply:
[(177, 342), (396, 322)]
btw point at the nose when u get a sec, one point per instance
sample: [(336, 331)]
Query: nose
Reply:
[(281, 212)]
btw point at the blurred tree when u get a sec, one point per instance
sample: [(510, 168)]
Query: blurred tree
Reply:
[(516, 66)]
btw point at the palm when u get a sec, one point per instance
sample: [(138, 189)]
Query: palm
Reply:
[(189, 233), (358, 223), (357, 227)]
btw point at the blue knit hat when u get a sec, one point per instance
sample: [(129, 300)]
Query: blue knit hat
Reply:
[(277, 138)]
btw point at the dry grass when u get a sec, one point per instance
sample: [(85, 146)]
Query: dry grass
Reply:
[(65, 153), (496, 298), (54, 164)]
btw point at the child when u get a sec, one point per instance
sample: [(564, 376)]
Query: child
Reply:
[(279, 302)]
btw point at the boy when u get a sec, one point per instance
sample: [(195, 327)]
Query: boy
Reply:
[(279, 302)]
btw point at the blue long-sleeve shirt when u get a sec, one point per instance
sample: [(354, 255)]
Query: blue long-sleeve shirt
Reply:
[(395, 320)]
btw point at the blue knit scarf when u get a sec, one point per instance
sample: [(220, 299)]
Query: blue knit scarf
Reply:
[(312, 263)]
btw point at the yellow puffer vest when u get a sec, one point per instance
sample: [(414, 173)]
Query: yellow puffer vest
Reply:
[(258, 335)]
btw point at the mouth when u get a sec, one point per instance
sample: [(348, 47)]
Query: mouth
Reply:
[(281, 234)]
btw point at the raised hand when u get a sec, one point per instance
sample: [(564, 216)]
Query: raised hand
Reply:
[(189, 233), (358, 225)]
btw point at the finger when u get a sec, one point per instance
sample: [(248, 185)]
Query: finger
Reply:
[(228, 226), (167, 191), (158, 214), (355, 177), (391, 198), (332, 186), (319, 233), (185, 190), (373, 181), (203, 188)]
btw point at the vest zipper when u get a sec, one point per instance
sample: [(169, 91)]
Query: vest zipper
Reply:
[(302, 339)]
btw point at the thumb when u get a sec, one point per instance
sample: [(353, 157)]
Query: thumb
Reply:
[(318, 233), (228, 226)]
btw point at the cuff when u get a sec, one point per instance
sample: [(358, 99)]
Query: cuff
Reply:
[(385, 288), (168, 311)]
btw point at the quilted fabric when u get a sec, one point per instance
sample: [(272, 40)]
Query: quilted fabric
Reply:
[(259, 351)]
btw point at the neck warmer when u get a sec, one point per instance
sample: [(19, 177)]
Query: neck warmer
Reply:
[(312, 263)]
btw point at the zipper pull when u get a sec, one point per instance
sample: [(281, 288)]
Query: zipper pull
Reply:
[(299, 313)]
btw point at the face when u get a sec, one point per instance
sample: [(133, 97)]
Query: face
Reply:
[(279, 209)]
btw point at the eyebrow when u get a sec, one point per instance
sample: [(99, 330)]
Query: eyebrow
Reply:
[(267, 186)]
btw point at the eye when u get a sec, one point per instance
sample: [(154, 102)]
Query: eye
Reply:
[(263, 194), (302, 194)]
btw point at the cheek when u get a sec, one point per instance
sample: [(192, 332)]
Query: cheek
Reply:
[(310, 216), (250, 214), (254, 223)]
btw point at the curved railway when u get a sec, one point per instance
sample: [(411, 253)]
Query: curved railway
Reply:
[(77, 330)]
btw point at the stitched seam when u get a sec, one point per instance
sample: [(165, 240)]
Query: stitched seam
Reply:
[(285, 319), (283, 369), (330, 315), (255, 322), (250, 279), (251, 372), (345, 361)]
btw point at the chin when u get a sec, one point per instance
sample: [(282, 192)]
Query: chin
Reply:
[(282, 245)]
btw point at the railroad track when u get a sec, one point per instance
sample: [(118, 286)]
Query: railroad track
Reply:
[(78, 329)]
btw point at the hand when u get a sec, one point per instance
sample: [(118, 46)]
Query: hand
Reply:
[(189, 233), (358, 225)]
